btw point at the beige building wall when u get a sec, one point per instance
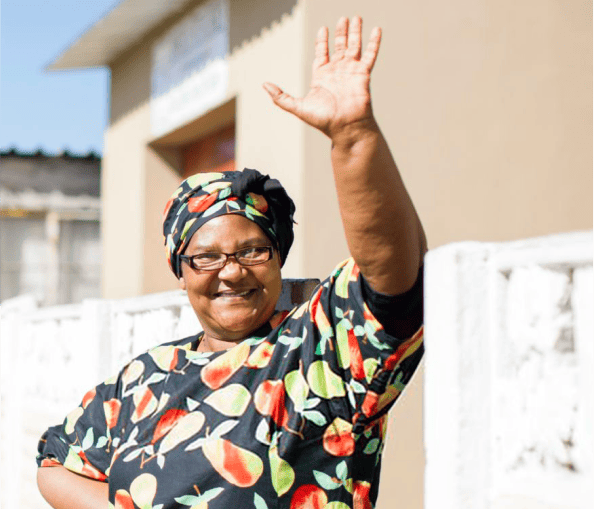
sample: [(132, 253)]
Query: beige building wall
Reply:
[(487, 107)]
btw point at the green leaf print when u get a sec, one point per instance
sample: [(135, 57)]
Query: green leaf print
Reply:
[(325, 481), (195, 444), (292, 342), (133, 455), (315, 417), (87, 442), (199, 358), (223, 428), (370, 366), (262, 432), (348, 485), (192, 404), (155, 378), (370, 330), (259, 502), (224, 193), (207, 496), (311, 403), (214, 208), (351, 396), (372, 446), (187, 500), (342, 470), (359, 330), (357, 387)]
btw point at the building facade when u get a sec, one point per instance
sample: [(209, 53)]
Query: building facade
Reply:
[(50, 226)]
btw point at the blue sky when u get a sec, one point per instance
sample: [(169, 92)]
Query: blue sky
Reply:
[(49, 110)]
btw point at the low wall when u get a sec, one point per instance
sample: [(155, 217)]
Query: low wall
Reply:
[(509, 400), (509, 378), (51, 356)]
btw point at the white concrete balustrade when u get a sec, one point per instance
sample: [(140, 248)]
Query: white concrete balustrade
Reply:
[(509, 375), (509, 372), (51, 356)]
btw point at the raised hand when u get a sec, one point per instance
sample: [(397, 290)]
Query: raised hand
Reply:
[(339, 96)]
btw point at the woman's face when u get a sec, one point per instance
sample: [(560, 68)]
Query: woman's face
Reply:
[(233, 301)]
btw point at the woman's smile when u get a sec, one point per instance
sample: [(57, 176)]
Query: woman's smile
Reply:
[(235, 294)]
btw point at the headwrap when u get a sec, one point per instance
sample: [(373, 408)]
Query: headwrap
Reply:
[(205, 196)]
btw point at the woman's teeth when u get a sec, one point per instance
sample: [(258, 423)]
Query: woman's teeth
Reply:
[(234, 294)]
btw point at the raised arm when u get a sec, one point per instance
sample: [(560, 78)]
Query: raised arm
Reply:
[(383, 231)]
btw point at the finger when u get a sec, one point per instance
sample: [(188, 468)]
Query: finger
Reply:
[(372, 48), (321, 49), (281, 99), (340, 38), (354, 38)]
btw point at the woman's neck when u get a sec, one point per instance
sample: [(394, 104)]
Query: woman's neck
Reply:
[(210, 344)]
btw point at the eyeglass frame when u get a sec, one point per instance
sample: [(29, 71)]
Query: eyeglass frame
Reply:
[(189, 259)]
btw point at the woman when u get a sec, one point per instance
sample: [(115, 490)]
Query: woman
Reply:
[(261, 409)]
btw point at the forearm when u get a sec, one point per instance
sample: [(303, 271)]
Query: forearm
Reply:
[(383, 231), (63, 489)]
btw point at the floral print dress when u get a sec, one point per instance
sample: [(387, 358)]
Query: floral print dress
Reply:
[(293, 417)]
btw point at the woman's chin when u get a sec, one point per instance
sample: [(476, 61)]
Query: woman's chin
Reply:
[(236, 327)]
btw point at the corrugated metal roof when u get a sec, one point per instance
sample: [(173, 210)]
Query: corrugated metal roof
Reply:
[(41, 153), (125, 25), (41, 173)]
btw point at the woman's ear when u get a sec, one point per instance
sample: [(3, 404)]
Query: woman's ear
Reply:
[(182, 283)]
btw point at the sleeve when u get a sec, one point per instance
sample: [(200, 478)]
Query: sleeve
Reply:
[(83, 443), (363, 360), (400, 315)]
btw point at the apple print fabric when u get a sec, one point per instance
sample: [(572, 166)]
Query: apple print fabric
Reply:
[(292, 417)]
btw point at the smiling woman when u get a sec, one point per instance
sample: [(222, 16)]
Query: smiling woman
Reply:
[(263, 408)]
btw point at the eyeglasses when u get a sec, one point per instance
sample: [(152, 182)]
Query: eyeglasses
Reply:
[(214, 261)]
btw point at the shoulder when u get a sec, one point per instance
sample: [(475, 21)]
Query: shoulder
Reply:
[(164, 356)]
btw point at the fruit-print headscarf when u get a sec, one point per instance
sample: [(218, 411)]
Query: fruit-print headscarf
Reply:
[(205, 196)]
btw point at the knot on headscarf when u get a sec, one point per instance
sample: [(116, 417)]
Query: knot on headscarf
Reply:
[(205, 196)]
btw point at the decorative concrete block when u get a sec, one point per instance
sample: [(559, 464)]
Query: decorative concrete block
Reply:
[(508, 378)]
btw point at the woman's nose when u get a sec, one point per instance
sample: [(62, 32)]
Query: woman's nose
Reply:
[(232, 270)]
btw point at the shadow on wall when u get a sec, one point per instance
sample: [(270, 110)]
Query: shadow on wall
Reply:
[(131, 71)]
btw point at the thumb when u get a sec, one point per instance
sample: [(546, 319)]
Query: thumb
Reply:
[(281, 99)]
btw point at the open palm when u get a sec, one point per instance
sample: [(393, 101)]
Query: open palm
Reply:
[(339, 95)]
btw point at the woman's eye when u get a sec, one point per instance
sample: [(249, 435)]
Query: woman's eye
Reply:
[(253, 253), (207, 257)]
